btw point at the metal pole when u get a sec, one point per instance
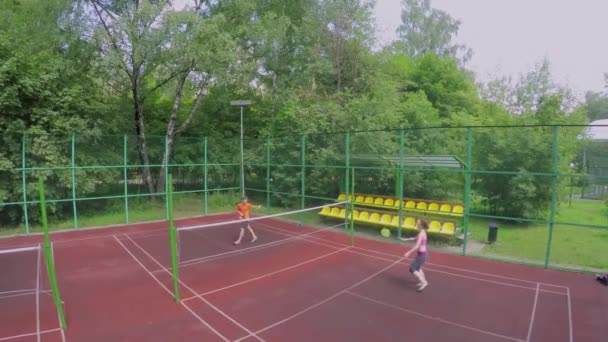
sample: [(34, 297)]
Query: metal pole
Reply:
[(268, 173), (401, 180), (467, 190), (75, 209), (166, 166), (205, 178), (346, 180), (242, 158), (24, 183), (553, 195), (125, 177), (173, 241), (303, 177)]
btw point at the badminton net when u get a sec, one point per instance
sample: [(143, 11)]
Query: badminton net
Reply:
[(216, 240)]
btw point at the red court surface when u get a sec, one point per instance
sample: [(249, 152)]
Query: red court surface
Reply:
[(294, 284)]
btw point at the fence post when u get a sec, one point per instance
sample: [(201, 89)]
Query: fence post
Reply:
[(74, 183), (347, 178), (401, 179), (206, 197), (24, 182), (303, 170), (268, 173), (125, 177), (555, 162), (166, 175), (173, 240), (467, 191)]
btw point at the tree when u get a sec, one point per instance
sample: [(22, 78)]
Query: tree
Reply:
[(425, 29), (596, 105)]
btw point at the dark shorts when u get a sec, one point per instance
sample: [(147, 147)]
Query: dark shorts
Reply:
[(418, 262)]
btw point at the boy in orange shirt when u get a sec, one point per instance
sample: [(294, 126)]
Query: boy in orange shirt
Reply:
[(243, 209)]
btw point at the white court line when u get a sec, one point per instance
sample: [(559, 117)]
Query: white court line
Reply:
[(416, 313), (63, 303), (570, 315), (167, 290), (17, 291), (27, 335), (38, 297), (322, 302), (533, 313), (270, 274), (202, 320), (440, 271), (33, 292), (198, 295)]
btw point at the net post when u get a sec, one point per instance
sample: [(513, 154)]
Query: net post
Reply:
[(205, 172), (268, 173), (73, 169), (346, 180), (555, 157), (50, 266), (125, 176), (401, 179), (467, 190), (303, 176), (24, 182), (173, 240), (166, 167)]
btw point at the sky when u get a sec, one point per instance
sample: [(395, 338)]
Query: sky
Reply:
[(509, 37)]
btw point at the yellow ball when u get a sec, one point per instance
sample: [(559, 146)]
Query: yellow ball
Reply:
[(385, 232)]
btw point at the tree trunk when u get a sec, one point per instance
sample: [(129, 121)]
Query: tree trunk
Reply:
[(142, 148)]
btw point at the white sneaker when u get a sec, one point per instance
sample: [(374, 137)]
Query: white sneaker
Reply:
[(423, 286), (254, 239)]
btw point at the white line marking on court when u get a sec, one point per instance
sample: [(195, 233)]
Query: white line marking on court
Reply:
[(322, 302), (570, 315), (438, 319), (533, 312), (271, 273), (27, 335), (38, 297), (198, 295), (167, 290), (25, 294), (203, 321)]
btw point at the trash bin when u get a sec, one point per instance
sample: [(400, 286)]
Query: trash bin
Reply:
[(493, 232)]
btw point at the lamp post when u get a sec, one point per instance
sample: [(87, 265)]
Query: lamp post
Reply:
[(242, 103)]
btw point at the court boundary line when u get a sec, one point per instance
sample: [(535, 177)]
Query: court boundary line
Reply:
[(277, 323), (24, 294), (444, 272), (531, 327), (270, 274), (570, 315), (31, 334), (438, 319), (38, 297), (167, 290), (238, 324)]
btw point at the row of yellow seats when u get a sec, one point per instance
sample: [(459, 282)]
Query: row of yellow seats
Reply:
[(410, 205), (389, 220)]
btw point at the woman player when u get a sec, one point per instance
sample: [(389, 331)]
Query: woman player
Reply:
[(243, 209), (421, 256)]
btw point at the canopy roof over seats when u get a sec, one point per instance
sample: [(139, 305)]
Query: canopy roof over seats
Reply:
[(445, 161)]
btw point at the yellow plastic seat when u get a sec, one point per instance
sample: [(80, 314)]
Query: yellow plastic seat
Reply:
[(342, 213), (446, 208), (360, 199), (341, 197), (379, 201), (335, 212), (395, 221), (433, 207), (389, 202), (448, 228), (435, 227), (410, 204), (458, 210), (386, 219), (409, 222), (369, 200), (326, 211), (397, 203), (364, 216), (374, 218), (421, 206), (354, 214)]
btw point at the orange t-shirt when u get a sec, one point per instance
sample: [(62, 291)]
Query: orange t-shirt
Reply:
[(243, 209)]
